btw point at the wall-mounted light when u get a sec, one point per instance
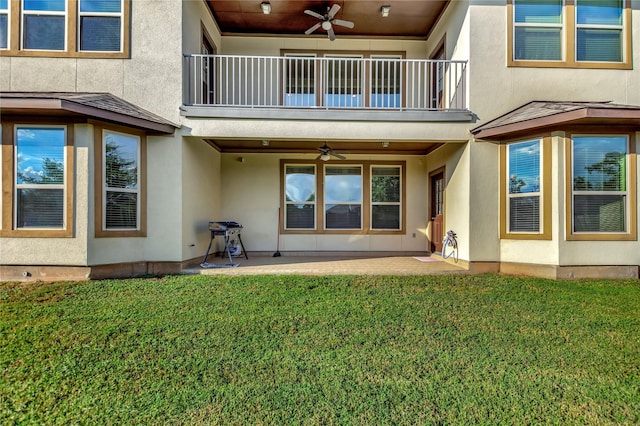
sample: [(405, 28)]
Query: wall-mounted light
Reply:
[(384, 11), (265, 142), (385, 144), (266, 7)]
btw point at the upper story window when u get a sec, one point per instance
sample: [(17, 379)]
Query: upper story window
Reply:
[(4, 24), (65, 28), (570, 33)]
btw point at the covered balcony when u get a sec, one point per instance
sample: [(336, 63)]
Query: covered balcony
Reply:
[(336, 88)]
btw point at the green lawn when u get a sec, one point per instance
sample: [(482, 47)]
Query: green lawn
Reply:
[(321, 350)]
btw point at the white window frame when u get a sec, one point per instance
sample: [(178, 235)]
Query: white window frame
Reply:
[(25, 13), (313, 203), (385, 203), (325, 202), (538, 194), (561, 25), (100, 14), (18, 186), (625, 193), (105, 188)]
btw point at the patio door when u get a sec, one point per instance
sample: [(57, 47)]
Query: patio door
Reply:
[(208, 68), (436, 209), (343, 81)]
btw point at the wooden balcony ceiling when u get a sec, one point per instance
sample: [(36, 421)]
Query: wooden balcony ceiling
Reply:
[(228, 146), (407, 18)]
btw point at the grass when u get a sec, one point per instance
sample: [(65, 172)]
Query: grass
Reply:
[(321, 350)]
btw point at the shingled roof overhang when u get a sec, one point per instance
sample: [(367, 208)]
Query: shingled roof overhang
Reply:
[(99, 106), (545, 116)]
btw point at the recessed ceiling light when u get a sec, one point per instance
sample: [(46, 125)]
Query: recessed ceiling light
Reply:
[(384, 11), (266, 7)]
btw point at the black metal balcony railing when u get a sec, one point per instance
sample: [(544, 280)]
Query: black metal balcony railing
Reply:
[(324, 83)]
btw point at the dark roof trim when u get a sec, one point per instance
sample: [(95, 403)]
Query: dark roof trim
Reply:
[(102, 106), (537, 116)]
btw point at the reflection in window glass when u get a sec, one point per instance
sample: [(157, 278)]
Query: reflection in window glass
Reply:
[(300, 197), (599, 183), (121, 181), (343, 197), (523, 176), (40, 171)]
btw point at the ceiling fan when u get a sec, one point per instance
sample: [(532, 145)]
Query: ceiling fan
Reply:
[(326, 153), (328, 21)]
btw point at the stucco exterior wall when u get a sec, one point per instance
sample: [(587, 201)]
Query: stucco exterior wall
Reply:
[(250, 195)]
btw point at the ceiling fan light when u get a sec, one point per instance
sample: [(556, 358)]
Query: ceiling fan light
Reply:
[(326, 25), (266, 7), (325, 157), (384, 11)]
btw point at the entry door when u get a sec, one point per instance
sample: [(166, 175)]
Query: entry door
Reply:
[(437, 211)]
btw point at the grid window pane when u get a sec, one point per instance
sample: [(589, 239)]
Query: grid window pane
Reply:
[(44, 32), (103, 6), (343, 216), (524, 214), (385, 184), (122, 210), (4, 31), (300, 216), (538, 11), (533, 43), (599, 163), (599, 45), (100, 33), (343, 184), (300, 197), (599, 12), (385, 216), (599, 213)]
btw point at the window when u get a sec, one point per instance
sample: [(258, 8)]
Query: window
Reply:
[(602, 185), (65, 28), (538, 30), (385, 197), (300, 197), (44, 24), (343, 82), (525, 178), (300, 81), (524, 186), (120, 198), (343, 197), (100, 23), (4, 24), (37, 200), (576, 33), (599, 30)]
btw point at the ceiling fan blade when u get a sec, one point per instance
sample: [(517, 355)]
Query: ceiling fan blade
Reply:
[(334, 9), (314, 14), (319, 156), (338, 156), (332, 35), (342, 23), (312, 29)]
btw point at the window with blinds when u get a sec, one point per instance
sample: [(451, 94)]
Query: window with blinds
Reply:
[(100, 24), (4, 24), (121, 177), (538, 28), (300, 197), (599, 29), (343, 197), (40, 177), (524, 190), (385, 197), (44, 24), (599, 181)]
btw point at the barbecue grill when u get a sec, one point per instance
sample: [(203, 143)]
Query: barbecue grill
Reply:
[(231, 232)]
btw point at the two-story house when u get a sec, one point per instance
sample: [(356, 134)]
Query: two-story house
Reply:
[(329, 126)]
